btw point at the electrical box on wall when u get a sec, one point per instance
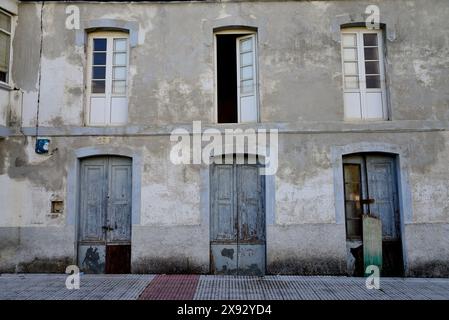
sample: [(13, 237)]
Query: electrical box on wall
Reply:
[(42, 145)]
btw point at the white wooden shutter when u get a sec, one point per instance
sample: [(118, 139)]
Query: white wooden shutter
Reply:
[(247, 79)]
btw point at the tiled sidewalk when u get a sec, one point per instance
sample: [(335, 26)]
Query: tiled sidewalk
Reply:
[(208, 287)]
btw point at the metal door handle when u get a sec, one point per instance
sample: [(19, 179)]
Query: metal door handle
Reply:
[(107, 228)]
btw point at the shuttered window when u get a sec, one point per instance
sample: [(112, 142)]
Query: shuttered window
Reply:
[(5, 44), (363, 74)]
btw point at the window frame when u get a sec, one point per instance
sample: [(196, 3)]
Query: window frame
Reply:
[(10, 34), (362, 90), (108, 94), (242, 32)]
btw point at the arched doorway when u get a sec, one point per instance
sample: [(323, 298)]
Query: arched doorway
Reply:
[(237, 219), (371, 190), (104, 229)]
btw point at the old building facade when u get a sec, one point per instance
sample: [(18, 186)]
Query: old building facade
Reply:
[(362, 116)]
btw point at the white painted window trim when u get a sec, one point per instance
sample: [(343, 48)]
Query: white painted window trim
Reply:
[(110, 36), (361, 73), (10, 33), (244, 33)]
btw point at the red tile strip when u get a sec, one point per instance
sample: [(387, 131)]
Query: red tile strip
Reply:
[(171, 287)]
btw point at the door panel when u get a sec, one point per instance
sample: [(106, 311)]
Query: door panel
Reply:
[(225, 215), (119, 210), (382, 188), (250, 197), (93, 194)]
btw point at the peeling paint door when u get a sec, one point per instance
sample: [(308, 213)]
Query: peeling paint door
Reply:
[(237, 220), (105, 215)]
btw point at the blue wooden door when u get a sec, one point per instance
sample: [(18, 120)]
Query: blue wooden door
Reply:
[(105, 215), (237, 220)]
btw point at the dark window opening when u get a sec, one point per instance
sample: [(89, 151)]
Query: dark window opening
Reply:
[(227, 78)]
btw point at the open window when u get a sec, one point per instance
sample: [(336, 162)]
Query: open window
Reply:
[(363, 74), (107, 78), (237, 88)]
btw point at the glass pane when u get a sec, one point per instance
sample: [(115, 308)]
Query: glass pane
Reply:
[(354, 228), (352, 173), (3, 76), (247, 87), (119, 44), (5, 22), (373, 82), (120, 73), (371, 54), (4, 51), (99, 44), (350, 54), (246, 59), (370, 39), (351, 68), (98, 86), (349, 40), (246, 73), (372, 67), (99, 58), (120, 59), (99, 73), (351, 82), (353, 210), (246, 45), (118, 86)]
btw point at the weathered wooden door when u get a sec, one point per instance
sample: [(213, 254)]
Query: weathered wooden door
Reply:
[(371, 188), (237, 220), (105, 215)]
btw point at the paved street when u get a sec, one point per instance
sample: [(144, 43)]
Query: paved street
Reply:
[(206, 287)]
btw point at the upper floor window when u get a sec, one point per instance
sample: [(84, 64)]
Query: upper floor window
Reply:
[(5, 45), (237, 83), (107, 81), (363, 74)]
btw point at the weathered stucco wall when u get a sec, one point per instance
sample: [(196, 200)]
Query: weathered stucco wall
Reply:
[(173, 229), (172, 65), (172, 83)]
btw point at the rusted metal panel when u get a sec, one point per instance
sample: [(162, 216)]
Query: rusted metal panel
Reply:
[(237, 220), (372, 241), (118, 259)]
